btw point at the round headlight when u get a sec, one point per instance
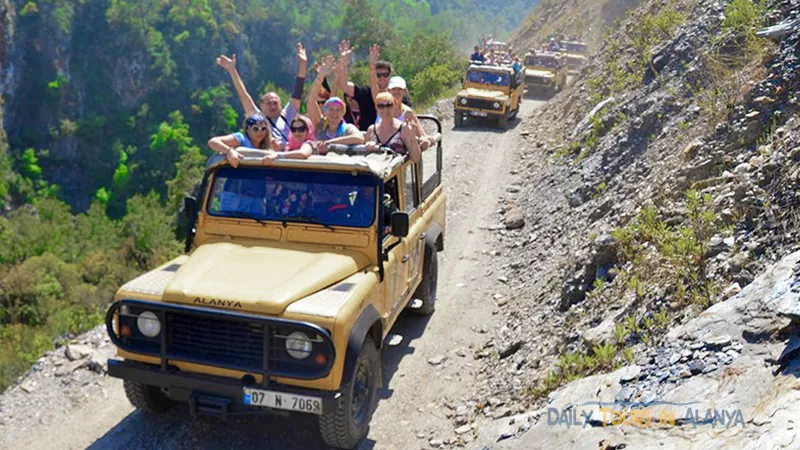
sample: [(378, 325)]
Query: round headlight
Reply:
[(148, 324), (463, 101), (298, 345), (496, 105)]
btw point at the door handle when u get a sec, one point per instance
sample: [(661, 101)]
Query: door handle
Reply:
[(423, 235), (405, 257)]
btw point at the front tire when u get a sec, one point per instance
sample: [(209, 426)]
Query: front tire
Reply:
[(426, 291), (503, 122), (345, 427), (458, 119), (147, 398)]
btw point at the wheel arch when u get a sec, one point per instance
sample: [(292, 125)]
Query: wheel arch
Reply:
[(368, 325)]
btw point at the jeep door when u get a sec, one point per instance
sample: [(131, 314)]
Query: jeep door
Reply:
[(395, 271), (415, 245)]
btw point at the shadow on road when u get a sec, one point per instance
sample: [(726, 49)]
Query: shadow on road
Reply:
[(178, 429)]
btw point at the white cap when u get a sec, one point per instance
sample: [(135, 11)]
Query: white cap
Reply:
[(396, 82)]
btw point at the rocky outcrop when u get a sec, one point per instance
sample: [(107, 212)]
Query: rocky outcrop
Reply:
[(754, 393)]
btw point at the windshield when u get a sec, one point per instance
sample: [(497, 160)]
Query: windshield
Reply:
[(541, 62), (578, 48), (483, 77), (329, 198)]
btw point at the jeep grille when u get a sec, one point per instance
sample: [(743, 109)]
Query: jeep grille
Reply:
[(224, 339), (481, 104)]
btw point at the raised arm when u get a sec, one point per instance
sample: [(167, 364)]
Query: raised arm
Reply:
[(348, 87), (409, 136), (374, 57), (229, 64), (300, 81), (313, 109)]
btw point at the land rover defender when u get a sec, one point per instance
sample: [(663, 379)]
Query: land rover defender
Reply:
[(294, 274)]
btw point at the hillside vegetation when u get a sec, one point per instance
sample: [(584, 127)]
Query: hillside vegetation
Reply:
[(107, 105)]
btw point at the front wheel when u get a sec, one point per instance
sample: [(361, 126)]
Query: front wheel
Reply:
[(426, 291), (503, 122), (147, 398), (346, 426), (458, 119)]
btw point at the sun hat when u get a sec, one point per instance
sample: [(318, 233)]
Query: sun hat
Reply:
[(396, 82)]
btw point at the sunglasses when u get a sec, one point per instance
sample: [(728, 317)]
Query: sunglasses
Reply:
[(385, 105), (258, 129), (300, 129), (321, 102), (383, 74)]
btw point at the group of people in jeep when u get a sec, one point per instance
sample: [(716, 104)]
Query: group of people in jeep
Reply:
[(490, 53), (377, 115)]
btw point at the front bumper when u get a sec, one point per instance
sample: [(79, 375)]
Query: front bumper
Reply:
[(211, 395), (489, 113)]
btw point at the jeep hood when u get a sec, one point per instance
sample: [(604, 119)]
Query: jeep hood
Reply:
[(539, 73), (484, 94), (257, 279)]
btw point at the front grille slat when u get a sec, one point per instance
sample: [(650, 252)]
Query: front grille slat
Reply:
[(480, 103), (240, 344), (216, 340)]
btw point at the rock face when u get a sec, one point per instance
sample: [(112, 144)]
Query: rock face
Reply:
[(756, 394)]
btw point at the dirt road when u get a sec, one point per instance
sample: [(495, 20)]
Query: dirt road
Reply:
[(425, 375)]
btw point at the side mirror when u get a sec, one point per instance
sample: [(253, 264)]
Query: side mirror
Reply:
[(399, 224), (189, 206)]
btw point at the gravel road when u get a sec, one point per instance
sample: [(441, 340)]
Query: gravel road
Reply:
[(431, 367)]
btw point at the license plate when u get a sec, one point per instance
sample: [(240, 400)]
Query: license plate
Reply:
[(478, 113), (282, 400)]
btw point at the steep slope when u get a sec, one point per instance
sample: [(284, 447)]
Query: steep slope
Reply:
[(584, 19), (661, 182)]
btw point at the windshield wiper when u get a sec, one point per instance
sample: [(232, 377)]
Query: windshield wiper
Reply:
[(242, 215), (313, 220)]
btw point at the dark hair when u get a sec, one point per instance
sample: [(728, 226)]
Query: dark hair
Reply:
[(384, 65)]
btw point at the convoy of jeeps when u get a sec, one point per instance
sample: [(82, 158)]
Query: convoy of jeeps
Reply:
[(493, 90), (296, 271), (294, 274)]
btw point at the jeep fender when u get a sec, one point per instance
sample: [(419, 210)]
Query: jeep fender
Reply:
[(368, 326), (434, 238)]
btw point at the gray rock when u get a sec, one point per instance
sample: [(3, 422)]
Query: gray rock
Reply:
[(437, 360), (600, 334), (510, 349), (67, 369), (718, 341), (463, 429), (624, 395), (696, 366), (514, 218), (75, 352)]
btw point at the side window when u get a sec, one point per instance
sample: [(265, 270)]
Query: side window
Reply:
[(410, 192)]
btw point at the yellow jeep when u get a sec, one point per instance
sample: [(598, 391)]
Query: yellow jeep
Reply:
[(294, 274), (490, 92), (545, 72), (575, 54)]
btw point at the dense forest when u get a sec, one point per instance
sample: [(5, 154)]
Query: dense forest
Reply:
[(106, 106)]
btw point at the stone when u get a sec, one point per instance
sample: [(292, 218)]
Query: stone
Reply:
[(28, 386), (514, 218), (75, 352), (463, 429), (624, 395), (436, 443), (67, 369), (437, 360), (717, 341), (696, 366), (510, 349), (731, 290), (601, 334)]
